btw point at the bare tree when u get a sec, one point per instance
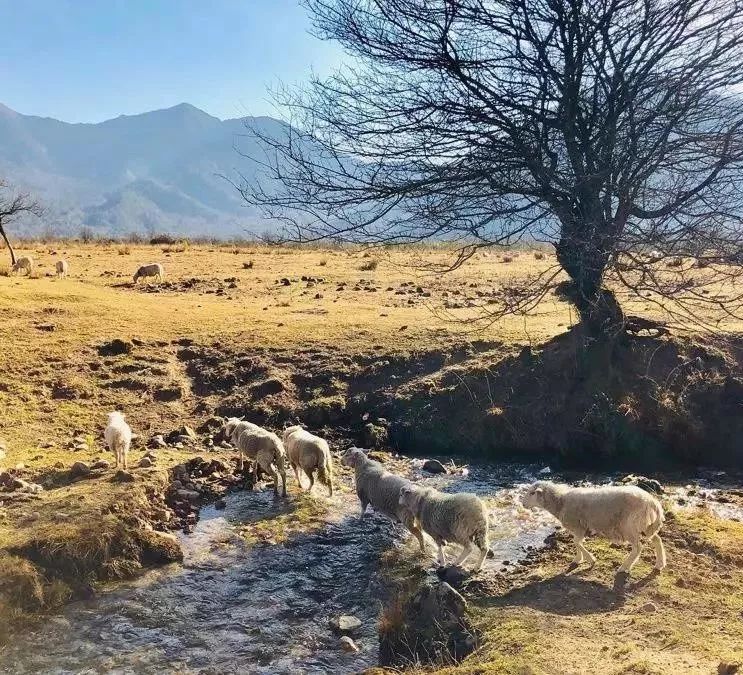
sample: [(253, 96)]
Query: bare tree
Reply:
[(609, 128), (13, 205)]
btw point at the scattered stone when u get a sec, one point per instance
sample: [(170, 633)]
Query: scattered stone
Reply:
[(220, 505), (115, 348), (79, 469), (185, 430), (648, 608), (189, 495), (455, 576), (122, 476), (100, 464), (157, 441), (145, 463), (433, 466), (348, 645), (728, 668), (345, 623)]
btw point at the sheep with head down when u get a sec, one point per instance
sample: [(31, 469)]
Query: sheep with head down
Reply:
[(380, 488), (623, 514), (460, 518)]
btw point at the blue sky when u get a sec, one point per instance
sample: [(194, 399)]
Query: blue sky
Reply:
[(90, 60)]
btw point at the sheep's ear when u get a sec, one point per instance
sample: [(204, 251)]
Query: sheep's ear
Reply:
[(539, 491)]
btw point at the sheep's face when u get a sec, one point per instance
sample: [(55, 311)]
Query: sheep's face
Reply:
[(352, 457), (409, 498), (533, 497)]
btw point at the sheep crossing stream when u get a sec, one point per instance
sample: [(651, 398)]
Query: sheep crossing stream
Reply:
[(264, 609)]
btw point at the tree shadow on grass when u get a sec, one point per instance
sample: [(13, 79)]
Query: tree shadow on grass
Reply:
[(563, 594)]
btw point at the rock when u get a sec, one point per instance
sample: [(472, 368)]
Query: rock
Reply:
[(268, 387), (648, 484), (648, 608), (115, 348), (433, 466), (348, 645), (189, 495), (122, 476), (79, 469), (345, 623), (728, 668), (455, 576), (157, 441), (100, 464), (145, 463), (433, 628), (185, 430), (220, 505)]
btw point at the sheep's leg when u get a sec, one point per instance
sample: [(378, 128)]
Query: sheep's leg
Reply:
[(311, 476), (466, 551), (631, 559), (481, 559), (440, 554), (282, 473), (364, 504), (660, 552), (296, 474), (418, 534)]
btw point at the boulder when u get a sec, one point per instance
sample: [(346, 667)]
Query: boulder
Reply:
[(145, 463), (100, 464), (79, 469), (348, 645), (157, 441), (432, 628), (188, 495), (433, 466), (122, 476), (345, 623)]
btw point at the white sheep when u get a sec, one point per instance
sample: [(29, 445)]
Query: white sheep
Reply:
[(24, 263), (265, 448), (380, 488), (62, 267), (310, 453), (619, 513), (148, 271), (233, 427), (118, 435), (460, 518)]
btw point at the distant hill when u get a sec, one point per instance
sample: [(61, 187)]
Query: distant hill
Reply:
[(160, 171)]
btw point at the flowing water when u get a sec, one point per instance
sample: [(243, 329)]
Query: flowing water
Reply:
[(231, 607)]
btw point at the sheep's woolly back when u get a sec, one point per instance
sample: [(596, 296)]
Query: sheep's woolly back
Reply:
[(380, 488), (618, 512), (460, 518), (118, 433), (152, 270), (310, 452), (253, 441)]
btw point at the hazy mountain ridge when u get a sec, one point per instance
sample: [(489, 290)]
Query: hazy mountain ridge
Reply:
[(160, 171)]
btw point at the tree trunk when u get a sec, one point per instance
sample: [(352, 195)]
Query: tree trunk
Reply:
[(7, 243), (583, 254)]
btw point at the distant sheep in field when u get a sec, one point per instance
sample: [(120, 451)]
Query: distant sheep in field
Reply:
[(380, 488), (62, 267), (24, 263), (460, 518), (149, 271), (118, 435), (311, 454), (619, 513)]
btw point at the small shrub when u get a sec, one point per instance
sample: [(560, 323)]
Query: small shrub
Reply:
[(538, 255), (123, 250), (4, 270), (86, 235), (248, 265), (160, 239), (506, 259), (177, 247), (676, 262), (366, 254), (323, 262), (369, 266)]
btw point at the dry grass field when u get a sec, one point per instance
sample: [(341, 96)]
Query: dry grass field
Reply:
[(56, 384)]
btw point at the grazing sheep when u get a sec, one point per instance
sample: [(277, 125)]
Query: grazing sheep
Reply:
[(310, 453), (620, 513), (380, 488), (118, 435), (24, 263), (266, 449), (148, 271), (62, 268), (460, 518), (233, 427)]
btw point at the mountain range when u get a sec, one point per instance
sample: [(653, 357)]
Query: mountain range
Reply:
[(165, 171)]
